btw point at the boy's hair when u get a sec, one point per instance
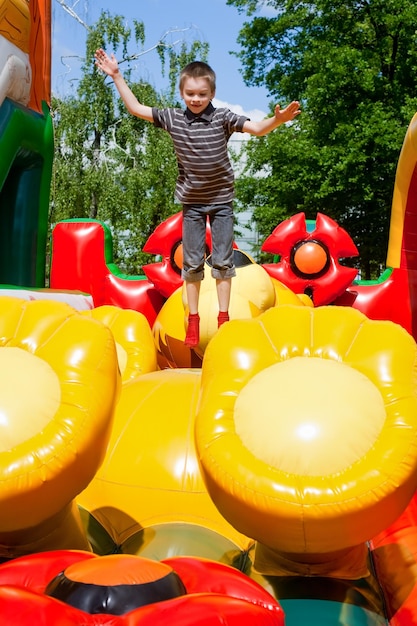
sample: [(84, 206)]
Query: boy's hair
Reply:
[(198, 69)]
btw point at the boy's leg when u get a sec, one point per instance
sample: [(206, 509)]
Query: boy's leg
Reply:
[(194, 244), (223, 268), (192, 337), (192, 290), (223, 286)]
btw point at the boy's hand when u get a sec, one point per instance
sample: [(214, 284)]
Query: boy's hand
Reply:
[(106, 64), (287, 114)]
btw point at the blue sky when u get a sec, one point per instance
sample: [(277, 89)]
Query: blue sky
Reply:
[(209, 20)]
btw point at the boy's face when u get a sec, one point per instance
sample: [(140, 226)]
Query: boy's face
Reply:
[(196, 94)]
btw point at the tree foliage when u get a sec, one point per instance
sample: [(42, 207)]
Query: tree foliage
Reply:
[(352, 64), (108, 164)]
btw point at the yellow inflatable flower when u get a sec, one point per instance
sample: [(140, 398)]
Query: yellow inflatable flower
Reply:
[(58, 388), (307, 427)]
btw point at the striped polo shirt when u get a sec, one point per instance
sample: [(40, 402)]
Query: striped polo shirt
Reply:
[(205, 174)]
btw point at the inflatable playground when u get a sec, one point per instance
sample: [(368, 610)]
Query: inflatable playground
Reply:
[(267, 477)]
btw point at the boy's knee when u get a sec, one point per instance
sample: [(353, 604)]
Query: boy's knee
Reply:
[(221, 274), (192, 276)]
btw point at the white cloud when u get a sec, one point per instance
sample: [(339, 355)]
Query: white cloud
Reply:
[(253, 114)]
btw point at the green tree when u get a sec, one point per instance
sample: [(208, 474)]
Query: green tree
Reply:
[(108, 164), (352, 64)]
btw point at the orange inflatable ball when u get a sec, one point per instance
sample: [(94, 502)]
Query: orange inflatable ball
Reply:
[(178, 256), (310, 258), (115, 584)]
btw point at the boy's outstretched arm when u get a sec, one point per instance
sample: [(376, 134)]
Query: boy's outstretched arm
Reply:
[(109, 66), (263, 127)]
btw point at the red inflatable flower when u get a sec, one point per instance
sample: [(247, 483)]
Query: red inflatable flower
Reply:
[(309, 261), (75, 587)]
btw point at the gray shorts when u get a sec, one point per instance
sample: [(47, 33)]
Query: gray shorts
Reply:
[(194, 240)]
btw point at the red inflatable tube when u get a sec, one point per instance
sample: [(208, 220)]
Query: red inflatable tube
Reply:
[(213, 577), (82, 260), (217, 594), (394, 554), (18, 606), (34, 571)]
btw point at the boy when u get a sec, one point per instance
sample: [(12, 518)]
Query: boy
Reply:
[(205, 183)]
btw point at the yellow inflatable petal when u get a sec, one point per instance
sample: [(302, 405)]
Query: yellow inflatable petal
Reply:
[(306, 428), (304, 299), (57, 395), (284, 295), (135, 345)]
